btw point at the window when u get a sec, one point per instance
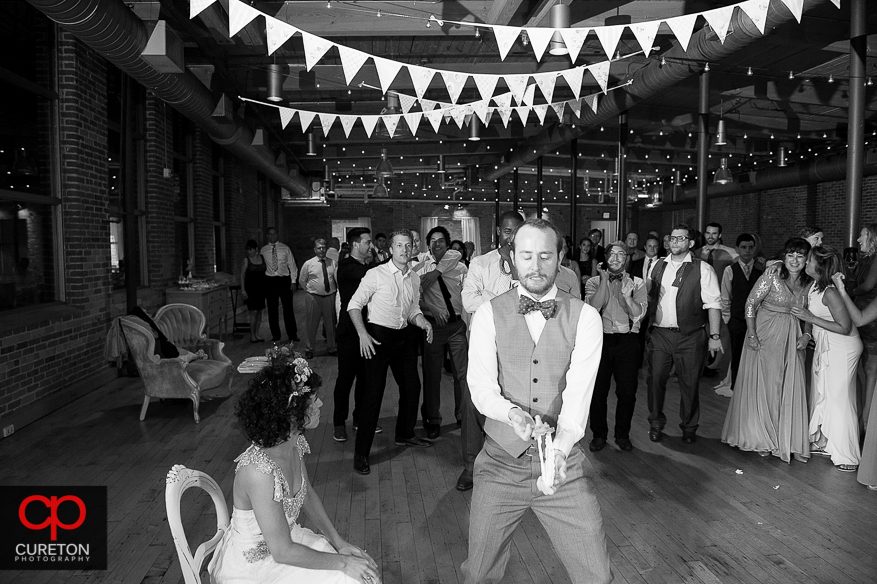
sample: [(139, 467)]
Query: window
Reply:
[(184, 204), (29, 212)]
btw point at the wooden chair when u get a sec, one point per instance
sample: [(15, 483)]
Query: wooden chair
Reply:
[(179, 479), (180, 377)]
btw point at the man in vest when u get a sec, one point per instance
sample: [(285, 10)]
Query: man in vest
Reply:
[(534, 350), (738, 280), (684, 290)]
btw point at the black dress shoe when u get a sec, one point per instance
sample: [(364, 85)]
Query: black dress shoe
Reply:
[(465, 482), (414, 441), (708, 372), (597, 444), (624, 444), (360, 464), (655, 435), (340, 434), (689, 438), (433, 431)]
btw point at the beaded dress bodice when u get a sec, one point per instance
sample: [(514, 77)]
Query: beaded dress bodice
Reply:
[(282, 491), (772, 290)]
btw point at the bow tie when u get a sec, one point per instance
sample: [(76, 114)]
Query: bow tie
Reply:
[(615, 277), (528, 305)]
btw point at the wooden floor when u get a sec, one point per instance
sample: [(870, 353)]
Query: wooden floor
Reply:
[(672, 512)]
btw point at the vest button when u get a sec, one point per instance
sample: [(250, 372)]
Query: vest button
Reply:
[(535, 380), (535, 399), (535, 361)]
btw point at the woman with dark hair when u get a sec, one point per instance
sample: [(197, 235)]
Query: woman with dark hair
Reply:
[(587, 261), (253, 287), (265, 543), (834, 426), (768, 411), (567, 260), (461, 247), (867, 474)]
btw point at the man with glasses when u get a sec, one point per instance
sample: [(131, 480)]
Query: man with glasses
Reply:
[(684, 297), (621, 300)]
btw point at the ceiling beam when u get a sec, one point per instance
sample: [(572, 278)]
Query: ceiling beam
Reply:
[(503, 11), (804, 92)]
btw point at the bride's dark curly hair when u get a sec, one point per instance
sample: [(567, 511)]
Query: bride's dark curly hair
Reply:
[(266, 411)]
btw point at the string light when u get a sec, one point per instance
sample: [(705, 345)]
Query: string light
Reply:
[(831, 78), (749, 72), (791, 75)]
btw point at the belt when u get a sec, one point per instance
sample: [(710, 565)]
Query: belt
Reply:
[(451, 318)]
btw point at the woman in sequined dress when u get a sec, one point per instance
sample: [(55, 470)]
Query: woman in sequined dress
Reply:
[(768, 411), (264, 543)]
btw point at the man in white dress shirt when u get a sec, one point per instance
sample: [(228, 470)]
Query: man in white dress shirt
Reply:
[(535, 350), (391, 291), (684, 298), (317, 278), (281, 273)]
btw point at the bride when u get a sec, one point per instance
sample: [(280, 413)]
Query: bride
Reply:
[(265, 543)]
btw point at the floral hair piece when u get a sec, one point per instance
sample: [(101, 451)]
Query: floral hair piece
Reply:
[(296, 369)]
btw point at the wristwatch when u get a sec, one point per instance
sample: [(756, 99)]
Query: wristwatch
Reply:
[(715, 336)]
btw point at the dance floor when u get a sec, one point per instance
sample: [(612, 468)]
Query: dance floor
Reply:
[(701, 513)]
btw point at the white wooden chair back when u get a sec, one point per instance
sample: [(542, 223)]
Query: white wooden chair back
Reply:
[(179, 479)]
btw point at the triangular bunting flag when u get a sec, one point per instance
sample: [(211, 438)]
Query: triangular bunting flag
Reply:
[(286, 116), (574, 38), (609, 37), (427, 105), (435, 119), (406, 101), (421, 77), (454, 81), (836, 3), (347, 123), (756, 10), (480, 109), (387, 71), (196, 7), (539, 39), (351, 61), (503, 101), (719, 20), (459, 116), (278, 32), (576, 106), (591, 100), (573, 78), (486, 85), (546, 82), (413, 121), (541, 110), (558, 109), (530, 95), (518, 85), (326, 120), (797, 8), (305, 119), (239, 16), (600, 71), (390, 122), (315, 48), (682, 27), (523, 112), (645, 33), (505, 114), (505, 38), (369, 123)]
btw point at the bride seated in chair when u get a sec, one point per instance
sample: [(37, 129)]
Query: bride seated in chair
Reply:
[(265, 543)]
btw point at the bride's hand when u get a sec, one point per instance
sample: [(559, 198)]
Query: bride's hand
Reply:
[(360, 569), (348, 549)]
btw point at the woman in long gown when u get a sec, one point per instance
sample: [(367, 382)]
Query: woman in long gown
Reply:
[(265, 544), (864, 293), (768, 411), (834, 425), (868, 466)]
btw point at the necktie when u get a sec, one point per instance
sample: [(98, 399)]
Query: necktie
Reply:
[(648, 269), (527, 305), (746, 270), (274, 266), (446, 294), (709, 257), (325, 276)]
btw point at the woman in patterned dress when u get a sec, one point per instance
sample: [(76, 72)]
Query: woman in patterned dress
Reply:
[(265, 543)]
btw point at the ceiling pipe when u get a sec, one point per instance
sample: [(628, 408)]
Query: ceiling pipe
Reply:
[(115, 32), (651, 80), (821, 170)]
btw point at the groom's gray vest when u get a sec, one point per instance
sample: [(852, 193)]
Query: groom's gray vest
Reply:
[(532, 377)]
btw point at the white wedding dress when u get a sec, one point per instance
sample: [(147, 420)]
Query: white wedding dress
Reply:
[(243, 557)]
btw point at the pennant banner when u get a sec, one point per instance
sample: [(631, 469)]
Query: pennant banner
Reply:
[(351, 61), (574, 38), (413, 121), (518, 85), (645, 33), (719, 20), (756, 10), (454, 81), (797, 8), (486, 85), (347, 123), (196, 7), (541, 110), (546, 82), (539, 38), (421, 77), (609, 37), (278, 32), (315, 48), (682, 27), (387, 71), (326, 120), (390, 122), (600, 71), (505, 38), (240, 15), (286, 115), (435, 119), (305, 119), (369, 123), (573, 78)]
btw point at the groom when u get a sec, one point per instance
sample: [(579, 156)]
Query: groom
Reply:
[(534, 350)]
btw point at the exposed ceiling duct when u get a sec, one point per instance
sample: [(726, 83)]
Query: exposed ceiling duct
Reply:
[(655, 77), (115, 32)]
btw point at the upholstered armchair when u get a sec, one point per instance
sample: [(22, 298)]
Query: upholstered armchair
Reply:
[(183, 376)]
